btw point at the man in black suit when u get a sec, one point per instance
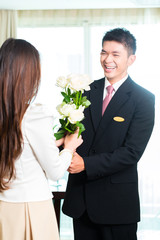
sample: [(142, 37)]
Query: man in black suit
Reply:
[(102, 192)]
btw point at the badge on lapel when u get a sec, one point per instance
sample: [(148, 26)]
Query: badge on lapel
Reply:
[(119, 119)]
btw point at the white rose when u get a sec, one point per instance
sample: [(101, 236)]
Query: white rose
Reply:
[(61, 82), (65, 109), (76, 115), (59, 107), (79, 82)]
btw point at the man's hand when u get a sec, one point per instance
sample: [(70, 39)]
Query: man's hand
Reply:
[(77, 164)]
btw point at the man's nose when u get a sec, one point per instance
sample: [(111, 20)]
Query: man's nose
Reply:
[(108, 58)]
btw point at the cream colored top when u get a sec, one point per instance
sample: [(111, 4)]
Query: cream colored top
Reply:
[(39, 160)]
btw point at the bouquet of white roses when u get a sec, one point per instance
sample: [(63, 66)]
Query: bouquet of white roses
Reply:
[(72, 107)]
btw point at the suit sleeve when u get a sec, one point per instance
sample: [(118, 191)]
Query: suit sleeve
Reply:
[(128, 154)]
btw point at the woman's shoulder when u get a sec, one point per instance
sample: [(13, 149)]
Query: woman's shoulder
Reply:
[(38, 110)]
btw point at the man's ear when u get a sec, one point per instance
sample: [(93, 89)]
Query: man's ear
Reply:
[(131, 59)]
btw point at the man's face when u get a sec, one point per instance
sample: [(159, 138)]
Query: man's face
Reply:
[(115, 60)]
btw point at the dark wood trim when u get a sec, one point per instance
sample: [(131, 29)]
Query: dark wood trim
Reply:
[(57, 197)]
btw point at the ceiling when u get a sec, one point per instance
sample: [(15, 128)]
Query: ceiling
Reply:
[(76, 4)]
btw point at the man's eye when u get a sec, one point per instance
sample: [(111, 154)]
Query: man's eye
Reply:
[(103, 53)]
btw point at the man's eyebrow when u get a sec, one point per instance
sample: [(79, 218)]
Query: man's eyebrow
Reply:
[(116, 52), (112, 52)]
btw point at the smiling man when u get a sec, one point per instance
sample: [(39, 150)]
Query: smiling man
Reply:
[(115, 60), (102, 192)]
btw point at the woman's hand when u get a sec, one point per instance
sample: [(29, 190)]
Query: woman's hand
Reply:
[(59, 142), (72, 141)]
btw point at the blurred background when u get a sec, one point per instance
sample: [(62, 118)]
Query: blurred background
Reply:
[(68, 35)]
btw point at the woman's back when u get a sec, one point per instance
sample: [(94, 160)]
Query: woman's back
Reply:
[(39, 159)]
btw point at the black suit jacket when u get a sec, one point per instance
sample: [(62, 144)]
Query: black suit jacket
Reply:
[(108, 188)]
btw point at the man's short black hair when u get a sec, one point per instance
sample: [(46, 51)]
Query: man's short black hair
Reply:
[(122, 36)]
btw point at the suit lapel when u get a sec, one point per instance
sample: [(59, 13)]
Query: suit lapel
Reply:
[(96, 98), (119, 98)]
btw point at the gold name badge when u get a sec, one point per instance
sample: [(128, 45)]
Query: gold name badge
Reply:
[(119, 119)]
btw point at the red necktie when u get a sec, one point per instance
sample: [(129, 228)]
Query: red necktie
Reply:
[(107, 98)]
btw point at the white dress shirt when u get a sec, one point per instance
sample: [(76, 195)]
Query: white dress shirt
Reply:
[(39, 160), (115, 86)]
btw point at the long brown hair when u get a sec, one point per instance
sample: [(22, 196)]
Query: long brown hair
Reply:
[(19, 82)]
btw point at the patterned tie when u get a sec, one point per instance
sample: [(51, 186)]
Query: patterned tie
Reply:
[(107, 98)]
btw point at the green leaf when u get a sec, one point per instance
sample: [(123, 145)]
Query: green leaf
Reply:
[(63, 122), (69, 130), (55, 127), (60, 134), (84, 99), (63, 94), (74, 97), (86, 103), (69, 92), (70, 127), (81, 128), (66, 97), (73, 127)]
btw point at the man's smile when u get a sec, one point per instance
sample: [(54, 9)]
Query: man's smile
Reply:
[(109, 68)]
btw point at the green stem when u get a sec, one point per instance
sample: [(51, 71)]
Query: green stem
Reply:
[(77, 98), (80, 98), (67, 123)]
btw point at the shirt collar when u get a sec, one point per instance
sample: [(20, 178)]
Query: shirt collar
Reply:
[(117, 84)]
